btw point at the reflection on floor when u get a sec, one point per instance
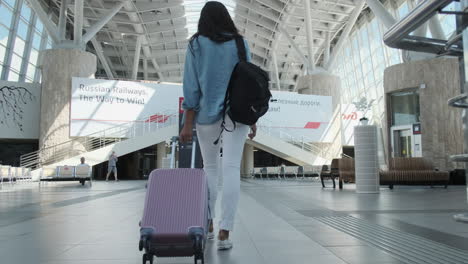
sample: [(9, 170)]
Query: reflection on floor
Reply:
[(279, 221)]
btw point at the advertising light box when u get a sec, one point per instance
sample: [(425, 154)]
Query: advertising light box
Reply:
[(299, 116), (97, 105)]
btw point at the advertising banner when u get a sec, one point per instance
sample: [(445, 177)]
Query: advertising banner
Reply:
[(97, 105), (20, 110), (300, 116)]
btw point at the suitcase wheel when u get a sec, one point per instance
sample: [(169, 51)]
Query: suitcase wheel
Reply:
[(148, 258), (200, 257), (199, 249), (140, 245)]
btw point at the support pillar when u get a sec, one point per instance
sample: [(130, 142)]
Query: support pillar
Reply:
[(58, 68), (160, 154)]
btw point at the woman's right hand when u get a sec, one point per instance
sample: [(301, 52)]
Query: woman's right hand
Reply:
[(186, 134)]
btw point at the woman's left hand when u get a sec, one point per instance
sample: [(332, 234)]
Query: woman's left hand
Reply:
[(253, 129)]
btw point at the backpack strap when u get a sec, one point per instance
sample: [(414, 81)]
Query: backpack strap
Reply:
[(241, 48), (223, 123), (241, 53)]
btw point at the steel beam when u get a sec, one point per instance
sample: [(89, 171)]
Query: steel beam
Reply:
[(94, 29), (344, 36), (46, 21), (381, 13), (102, 58), (296, 48)]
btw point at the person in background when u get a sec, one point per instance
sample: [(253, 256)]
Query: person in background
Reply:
[(84, 164), (210, 59), (112, 166)]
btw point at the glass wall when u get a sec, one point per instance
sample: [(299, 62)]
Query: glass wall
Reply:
[(22, 36), (362, 68), (365, 57)]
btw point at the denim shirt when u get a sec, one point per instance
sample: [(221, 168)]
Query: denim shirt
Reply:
[(208, 68)]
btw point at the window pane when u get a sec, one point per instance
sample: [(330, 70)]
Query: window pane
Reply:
[(16, 62), (30, 71), (19, 46), (25, 11), (22, 30), (2, 54), (403, 10), (36, 41), (4, 35), (11, 3), (13, 76), (405, 108), (5, 16), (33, 56), (39, 26)]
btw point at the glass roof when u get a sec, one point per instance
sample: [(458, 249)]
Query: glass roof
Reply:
[(193, 8)]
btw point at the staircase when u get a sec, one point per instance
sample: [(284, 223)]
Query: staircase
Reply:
[(133, 136), (288, 147), (95, 148)]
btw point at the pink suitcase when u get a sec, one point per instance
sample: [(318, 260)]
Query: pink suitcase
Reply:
[(175, 216)]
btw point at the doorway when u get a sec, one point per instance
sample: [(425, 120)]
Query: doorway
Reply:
[(402, 142)]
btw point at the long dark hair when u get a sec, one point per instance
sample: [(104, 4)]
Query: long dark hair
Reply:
[(215, 23)]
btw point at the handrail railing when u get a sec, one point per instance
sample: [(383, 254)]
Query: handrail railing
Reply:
[(98, 140), (266, 126)]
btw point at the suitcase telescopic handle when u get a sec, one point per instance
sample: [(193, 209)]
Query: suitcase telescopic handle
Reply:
[(175, 140)]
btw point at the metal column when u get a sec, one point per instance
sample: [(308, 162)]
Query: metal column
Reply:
[(136, 58), (381, 13), (310, 40), (460, 101), (275, 65), (326, 53), (145, 69), (436, 28), (78, 30), (63, 19)]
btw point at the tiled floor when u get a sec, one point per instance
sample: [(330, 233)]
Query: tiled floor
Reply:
[(278, 222)]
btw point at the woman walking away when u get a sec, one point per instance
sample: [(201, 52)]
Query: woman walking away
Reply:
[(210, 60)]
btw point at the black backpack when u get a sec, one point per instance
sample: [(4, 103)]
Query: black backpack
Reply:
[(247, 95)]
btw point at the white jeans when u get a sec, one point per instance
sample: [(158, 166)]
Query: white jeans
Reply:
[(233, 146)]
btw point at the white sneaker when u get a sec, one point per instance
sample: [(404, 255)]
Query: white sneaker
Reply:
[(210, 235), (224, 244)]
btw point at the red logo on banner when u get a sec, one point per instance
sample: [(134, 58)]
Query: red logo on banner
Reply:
[(352, 116), (181, 100), (312, 125), (157, 118)]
